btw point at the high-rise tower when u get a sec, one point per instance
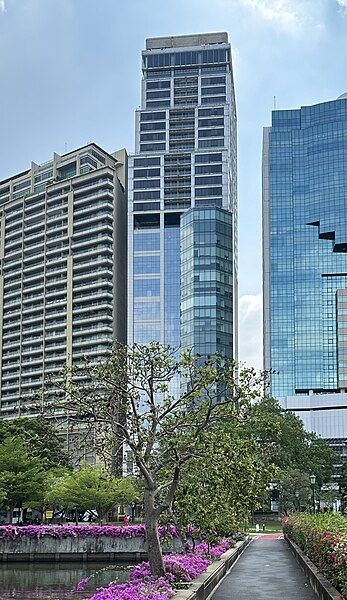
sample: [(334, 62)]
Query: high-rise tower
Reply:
[(62, 270), (182, 216), (305, 264), (305, 248)]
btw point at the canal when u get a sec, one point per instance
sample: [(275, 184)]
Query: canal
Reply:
[(55, 581)]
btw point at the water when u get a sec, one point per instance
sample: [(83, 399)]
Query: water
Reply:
[(55, 581)]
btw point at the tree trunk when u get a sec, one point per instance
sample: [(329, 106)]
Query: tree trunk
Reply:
[(155, 556)]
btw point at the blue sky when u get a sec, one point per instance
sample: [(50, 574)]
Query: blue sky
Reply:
[(70, 73)]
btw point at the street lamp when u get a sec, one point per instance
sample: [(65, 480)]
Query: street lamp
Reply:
[(313, 484), (297, 497)]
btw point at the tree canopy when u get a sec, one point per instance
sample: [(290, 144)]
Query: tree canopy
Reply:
[(39, 437), (91, 487)]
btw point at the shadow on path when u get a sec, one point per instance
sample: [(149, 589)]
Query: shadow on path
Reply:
[(266, 571)]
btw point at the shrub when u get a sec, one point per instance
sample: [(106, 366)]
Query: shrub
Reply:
[(323, 538)]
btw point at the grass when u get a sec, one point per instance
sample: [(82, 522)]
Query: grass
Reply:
[(270, 527)]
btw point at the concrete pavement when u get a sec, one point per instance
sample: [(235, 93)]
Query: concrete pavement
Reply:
[(266, 571)]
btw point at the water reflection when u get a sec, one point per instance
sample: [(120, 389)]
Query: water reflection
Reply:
[(54, 581)]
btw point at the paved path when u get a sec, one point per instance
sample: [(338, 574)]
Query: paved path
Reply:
[(267, 570)]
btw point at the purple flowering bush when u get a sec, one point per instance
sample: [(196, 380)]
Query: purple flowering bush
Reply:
[(13, 532), (179, 568)]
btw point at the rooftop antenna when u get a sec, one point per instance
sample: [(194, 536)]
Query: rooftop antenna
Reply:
[(274, 102)]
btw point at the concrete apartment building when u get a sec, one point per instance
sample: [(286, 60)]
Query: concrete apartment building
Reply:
[(62, 269)]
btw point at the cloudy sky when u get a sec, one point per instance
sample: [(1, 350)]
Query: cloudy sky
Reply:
[(70, 73)]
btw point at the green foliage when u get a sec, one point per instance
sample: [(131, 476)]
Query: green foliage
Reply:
[(291, 448), (40, 439), (323, 538), (129, 400), (295, 490), (219, 490), (91, 487), (22, 477)]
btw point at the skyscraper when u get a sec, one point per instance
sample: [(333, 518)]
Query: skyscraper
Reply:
[(305, 248), (63, 269), (182, 215), (305, 264)]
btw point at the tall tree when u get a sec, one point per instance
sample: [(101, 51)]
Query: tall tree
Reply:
[(40, 438), (159, 406), (91, 487), (282, 435), (220, 489), (22, 478)]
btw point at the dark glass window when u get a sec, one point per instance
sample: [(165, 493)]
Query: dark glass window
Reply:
[(212, 99), (151, 137), (158, 94), (212, 91), (152, 116), (201, 192), (212, 80), (146, 173), (210, 122), (211, 143), (150, 195), (150, 206), (211, 133), (152, 126), (215, 180), (156, 85), (211, 112), (148, 183), (205, 158), (151, 147), (146, 162), (147, 221), (157, 103), (200, 169)]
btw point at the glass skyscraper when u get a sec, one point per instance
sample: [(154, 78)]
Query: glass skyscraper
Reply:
[(182, 216), (305, 249)]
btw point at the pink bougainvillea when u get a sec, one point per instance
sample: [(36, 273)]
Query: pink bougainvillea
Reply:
[(13, 532), (179, 568)]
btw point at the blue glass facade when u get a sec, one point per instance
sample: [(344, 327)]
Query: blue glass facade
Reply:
[(185, 158), (305, 248), (207, 282)]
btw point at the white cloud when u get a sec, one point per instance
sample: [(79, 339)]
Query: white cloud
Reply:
[(343, 4), (288, 15), (2, 6), (250, 330)]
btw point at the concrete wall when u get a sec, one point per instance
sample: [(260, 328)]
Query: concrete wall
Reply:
[(90, 548)]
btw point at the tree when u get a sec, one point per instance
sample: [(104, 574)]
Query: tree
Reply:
[(40, 438), (219, 491), (282, 435), (159, 406), (91, 487), (294, 490), (22, 478)]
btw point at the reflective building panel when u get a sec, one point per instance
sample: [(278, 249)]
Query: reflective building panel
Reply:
[(305, 248)]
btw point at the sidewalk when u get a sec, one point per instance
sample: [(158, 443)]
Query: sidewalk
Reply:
[(266, 571)]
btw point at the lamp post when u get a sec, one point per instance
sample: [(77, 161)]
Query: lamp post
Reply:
[(313, 484), (297, 498)]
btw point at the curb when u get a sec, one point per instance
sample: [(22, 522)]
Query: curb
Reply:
[(321, 586), (203, 586)]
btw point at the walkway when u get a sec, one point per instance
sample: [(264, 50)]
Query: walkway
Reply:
[(266, 571)]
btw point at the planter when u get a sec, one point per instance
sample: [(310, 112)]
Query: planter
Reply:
[(322, 587), (203, 586)]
